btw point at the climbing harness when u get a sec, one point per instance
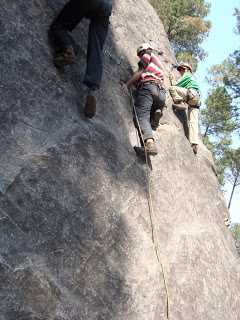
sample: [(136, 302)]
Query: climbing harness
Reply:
[(151, 210)]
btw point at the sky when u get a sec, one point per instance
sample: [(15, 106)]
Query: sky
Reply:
[(220, 43)]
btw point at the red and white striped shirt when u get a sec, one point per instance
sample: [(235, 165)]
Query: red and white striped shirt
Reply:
[(152, 68)]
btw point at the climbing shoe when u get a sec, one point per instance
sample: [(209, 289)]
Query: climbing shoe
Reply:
[(227, 222), (151, 148), (139, 151), (90, 106), (156, 118), (194, 148), (64, 57)]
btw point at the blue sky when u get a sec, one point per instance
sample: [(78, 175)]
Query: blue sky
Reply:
[(221, 42)]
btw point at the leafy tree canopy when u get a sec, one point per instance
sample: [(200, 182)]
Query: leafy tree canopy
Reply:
[(237, 14), (236, 230), (185, 24), (217, 117), (232, 156), (227, 74)]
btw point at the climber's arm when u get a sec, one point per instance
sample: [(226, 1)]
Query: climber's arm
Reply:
[(132, 81), (136, 76)]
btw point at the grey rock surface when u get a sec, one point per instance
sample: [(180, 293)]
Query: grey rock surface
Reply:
[(75, 232)]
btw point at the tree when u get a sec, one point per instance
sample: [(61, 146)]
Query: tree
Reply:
[(237, 14), (187, 57), (235, 228), (216, 118), (218, 148), (232, 157), (236, 231), (184, 24), (217, 125), (228, 74), (221, 117)]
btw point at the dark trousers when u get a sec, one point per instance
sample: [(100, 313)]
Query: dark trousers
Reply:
[(149, 98), (98, 11)]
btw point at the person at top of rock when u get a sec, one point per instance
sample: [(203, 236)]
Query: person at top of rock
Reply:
[(186, 96), (150, 95), (98, 11)]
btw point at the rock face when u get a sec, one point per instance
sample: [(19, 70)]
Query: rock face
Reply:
[(76, 238)]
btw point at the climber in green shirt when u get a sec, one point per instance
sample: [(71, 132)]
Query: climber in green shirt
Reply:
[(186, 96), (187, 81)]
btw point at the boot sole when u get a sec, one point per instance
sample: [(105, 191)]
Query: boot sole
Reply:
[(90, 107), (140, 151), (152, 153), (62, 63)]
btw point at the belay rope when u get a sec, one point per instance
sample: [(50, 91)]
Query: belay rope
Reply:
[(151, 210)]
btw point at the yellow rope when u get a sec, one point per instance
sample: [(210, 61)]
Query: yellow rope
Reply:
[(151, 212)]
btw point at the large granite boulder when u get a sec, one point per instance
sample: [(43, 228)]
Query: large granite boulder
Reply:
[(77, 239)]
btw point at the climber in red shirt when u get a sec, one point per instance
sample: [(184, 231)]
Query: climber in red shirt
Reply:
[(150, 95)]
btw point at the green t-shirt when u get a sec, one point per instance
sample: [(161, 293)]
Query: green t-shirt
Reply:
[(187, 81)]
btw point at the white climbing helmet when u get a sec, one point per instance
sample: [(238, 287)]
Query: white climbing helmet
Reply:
[(144, 46)]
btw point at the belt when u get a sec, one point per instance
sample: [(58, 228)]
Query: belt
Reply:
[(156, 83)]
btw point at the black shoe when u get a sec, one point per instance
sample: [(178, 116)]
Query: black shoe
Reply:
[(156, 118), (139, 151), (90, 106), (195, 148), (64, 57)]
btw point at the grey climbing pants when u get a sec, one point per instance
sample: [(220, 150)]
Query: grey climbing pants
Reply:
[(149, 98), (98, 11)]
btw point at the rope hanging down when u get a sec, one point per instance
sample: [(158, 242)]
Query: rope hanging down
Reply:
[(151, 210)]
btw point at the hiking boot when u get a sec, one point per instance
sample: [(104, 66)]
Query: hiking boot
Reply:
[(91, 105), (156, 118), (227, 222), (195, 148), (151, 148), (64, 57), (179, 106), (139, 151)]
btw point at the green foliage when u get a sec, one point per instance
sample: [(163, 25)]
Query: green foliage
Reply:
[(218, 147), (227, 74), (231, 74), (236, 230), (221, 117), (237, 14), (218, 123), (185, 25), (217, 116), (232, 157), (187, 57)]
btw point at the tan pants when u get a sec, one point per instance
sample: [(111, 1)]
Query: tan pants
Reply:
[(190, 98)]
